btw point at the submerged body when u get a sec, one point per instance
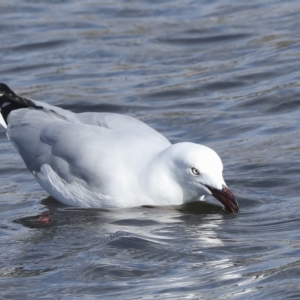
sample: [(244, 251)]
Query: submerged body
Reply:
[(108, 160)]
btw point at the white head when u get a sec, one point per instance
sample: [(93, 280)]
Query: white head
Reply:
[(198, 170)]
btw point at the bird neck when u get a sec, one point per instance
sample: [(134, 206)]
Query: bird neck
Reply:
[(160, 181)]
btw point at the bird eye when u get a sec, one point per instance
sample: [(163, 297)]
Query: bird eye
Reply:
[(195, 171)]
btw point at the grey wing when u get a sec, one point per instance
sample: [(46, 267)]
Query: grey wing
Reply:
[(78, 151), (24, 127), (124, 123), (113, 121), (70, 149)]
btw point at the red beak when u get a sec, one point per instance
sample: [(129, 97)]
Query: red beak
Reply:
[(226, 197)]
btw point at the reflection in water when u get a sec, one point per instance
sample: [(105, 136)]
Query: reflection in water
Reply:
[(220, 73), (132, 244)]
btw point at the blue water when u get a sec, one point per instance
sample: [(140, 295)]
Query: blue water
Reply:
[(220, 73)]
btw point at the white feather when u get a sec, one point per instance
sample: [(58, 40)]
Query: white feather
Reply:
[(2, 122), (69, 193)]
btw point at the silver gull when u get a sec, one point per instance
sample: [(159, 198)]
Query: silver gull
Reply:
[(107, 160)]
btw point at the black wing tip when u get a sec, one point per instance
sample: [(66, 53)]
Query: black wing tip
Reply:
[(6, 89), (9, 101), (10, 96)]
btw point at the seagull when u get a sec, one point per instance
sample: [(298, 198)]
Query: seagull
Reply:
[(108, 160)]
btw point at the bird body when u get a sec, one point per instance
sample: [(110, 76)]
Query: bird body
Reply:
[(108, 160)]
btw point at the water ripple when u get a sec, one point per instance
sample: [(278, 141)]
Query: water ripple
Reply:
[(221, 73)]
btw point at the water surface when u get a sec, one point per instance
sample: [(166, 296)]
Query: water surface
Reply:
[(220, 73)]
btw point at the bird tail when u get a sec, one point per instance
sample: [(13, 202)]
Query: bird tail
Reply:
[(10, 101)]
